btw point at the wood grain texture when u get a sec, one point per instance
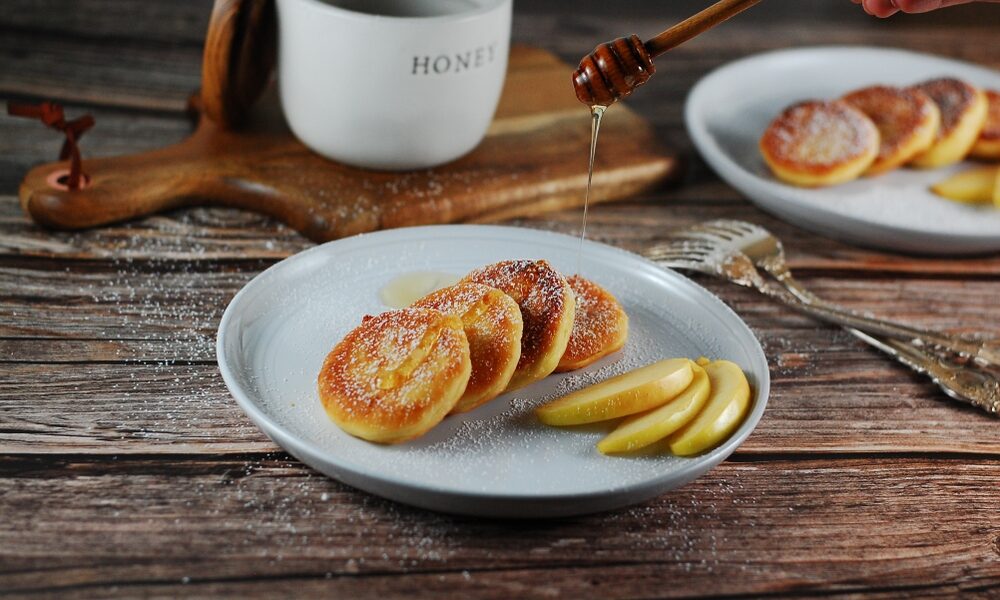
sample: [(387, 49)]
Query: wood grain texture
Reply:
[(136, 337), (105, 72), (159, 22), (263, 524), (126, 469), (168, 407), (221, 234), (239, 56)]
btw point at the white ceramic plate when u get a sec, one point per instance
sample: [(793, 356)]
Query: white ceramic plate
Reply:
[(496, 460), (728, 110)]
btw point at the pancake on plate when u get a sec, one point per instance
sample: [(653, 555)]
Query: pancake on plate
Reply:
[(988, 144), (547, 309), (907, 121), (493, 326), (963, 114), (600, 325), (396, 375), (817, 143)]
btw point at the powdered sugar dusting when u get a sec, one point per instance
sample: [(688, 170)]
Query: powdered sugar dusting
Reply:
[(952, 96), (900, 114), (541, 293), (817, 133), (493, 325), (597, 323), (729, 110), (392, 369)]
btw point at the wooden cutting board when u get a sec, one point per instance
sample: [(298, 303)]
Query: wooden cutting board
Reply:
[(533, 159)]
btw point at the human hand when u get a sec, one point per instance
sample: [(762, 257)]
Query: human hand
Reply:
[(887, 8)]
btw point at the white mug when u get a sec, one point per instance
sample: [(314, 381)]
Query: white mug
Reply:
[(392, 84)]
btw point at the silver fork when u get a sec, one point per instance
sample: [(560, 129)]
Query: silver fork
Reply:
[(973, 386), (765, 251)]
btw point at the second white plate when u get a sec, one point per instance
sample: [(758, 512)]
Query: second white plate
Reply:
[(728, 110), (497, 460)]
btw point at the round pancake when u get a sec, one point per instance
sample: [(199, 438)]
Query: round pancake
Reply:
[(907, 121), (547, 309), (988, 144), (493, 326), (600, 325), (963, 113), (816, 143), (396, 375)]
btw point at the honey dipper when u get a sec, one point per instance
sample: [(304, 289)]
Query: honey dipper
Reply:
[(615, 68)]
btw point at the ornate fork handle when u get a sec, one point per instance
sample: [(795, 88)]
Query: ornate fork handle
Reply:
[(978, 387), (983, 352), (974, 387)]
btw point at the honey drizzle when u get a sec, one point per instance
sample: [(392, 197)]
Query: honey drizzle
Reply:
[(596, 112), (407, 288)]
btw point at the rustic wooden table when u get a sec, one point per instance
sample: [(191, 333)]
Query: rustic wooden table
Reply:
[(126, 469)]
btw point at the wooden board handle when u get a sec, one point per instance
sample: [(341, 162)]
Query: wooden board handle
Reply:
[(127, 187), (186, 174), (111, 192)]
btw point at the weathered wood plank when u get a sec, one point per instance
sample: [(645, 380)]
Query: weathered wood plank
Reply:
[(143, 298), (161, 20), (135, 338), (158, 407), (119, 300), (840, 399), (176, 306), (265, 525), (101, 71), (637, 226), (119, 352), (26, 143), (227, 234)]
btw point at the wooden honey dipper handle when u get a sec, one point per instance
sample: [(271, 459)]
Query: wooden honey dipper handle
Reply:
[(696, 25), (615, 68)]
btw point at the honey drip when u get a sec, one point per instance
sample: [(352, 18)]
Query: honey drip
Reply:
[(392, 376), (596, 112)]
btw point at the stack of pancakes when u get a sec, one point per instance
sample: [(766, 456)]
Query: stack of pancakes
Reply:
[(500, 328), (879, 128)]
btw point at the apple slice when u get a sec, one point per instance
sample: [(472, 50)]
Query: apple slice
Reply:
[(996, 190), (644, 429), (626, 394), (971, 186), (723, 411)]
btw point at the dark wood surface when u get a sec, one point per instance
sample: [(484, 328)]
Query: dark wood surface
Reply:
[(126, 469)]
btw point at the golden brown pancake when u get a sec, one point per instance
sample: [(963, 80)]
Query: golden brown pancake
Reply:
[(600, 325), (907, 121), (816, 143), (493, 326), (396, 375), (988, 144), (547, 309), (963, 113)]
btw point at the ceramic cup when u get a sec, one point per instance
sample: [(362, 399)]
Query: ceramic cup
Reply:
[(392, 84)]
